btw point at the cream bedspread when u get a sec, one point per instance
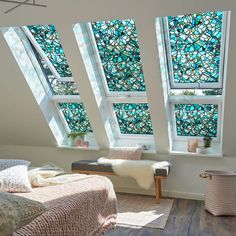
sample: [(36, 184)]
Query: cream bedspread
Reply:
[(86, 207)]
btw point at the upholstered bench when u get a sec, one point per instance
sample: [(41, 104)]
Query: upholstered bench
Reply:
[(93, 167)]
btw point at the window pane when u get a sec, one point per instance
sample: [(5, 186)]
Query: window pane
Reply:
[(195, 43), (57, 87), (133, 118), (196, 119), (62, 88), (48, 39), (119, 51), (76, 117)]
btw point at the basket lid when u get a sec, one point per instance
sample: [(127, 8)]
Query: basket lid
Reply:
[(220, 173)]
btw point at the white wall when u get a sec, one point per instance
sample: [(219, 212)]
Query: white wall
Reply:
[(25, 134)]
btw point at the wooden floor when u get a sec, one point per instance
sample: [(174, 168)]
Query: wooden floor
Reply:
[(187, 218)]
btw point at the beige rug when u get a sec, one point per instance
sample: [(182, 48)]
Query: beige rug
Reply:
[(141, 211)]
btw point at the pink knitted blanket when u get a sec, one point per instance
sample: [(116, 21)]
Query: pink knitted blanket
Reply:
[(86, 207)]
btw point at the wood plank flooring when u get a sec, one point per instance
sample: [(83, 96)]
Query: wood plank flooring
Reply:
[(187, 218)]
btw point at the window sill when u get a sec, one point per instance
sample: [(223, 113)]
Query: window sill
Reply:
[(150, 151), (79, 148), (180, 148), (182, 153)]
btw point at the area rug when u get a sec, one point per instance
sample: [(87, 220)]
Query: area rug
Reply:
[(138, 211)]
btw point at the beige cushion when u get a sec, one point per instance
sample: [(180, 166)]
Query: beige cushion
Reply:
[(16, 211), (6, 163), (15, 179), (128, 153)]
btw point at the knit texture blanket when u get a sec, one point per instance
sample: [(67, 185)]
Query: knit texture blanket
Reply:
[(86, 207), (141, 170)]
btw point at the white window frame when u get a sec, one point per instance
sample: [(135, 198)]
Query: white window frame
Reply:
[(117, 97), (196, 99), (44, 56), (174, 85), (54, 99)]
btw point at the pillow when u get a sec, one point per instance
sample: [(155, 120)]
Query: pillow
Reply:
[(128, 153), (6, 163), (16, 211), (15, 179)]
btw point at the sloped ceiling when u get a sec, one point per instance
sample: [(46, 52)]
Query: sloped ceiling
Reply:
[(21, 122)]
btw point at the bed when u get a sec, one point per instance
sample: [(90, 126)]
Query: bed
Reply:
[(82, 208)]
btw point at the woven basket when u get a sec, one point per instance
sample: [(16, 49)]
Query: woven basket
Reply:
[(220, 196)]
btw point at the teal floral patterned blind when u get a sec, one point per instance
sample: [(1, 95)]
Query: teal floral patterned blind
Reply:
[(133, 118), (195, 47), (196, 119), (119, 51), (48, 39)]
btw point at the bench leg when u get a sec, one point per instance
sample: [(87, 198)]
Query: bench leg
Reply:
[(158, 189)]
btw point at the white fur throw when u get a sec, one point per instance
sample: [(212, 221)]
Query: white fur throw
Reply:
[(141, 170)]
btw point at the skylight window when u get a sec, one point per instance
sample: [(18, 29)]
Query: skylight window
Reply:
[(195, 47), (111, 54), (47, 38), (118, 48), (192, 50), (61, 103)]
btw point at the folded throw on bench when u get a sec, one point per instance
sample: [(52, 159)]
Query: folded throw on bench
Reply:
[(49, 175), (141, 170)]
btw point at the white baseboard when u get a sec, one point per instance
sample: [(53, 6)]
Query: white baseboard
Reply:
[(185, 195), (134, 190), (166, 193)]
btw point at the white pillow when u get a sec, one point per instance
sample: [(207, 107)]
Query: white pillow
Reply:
[(126, 153), (6, 163), (15, 179)]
